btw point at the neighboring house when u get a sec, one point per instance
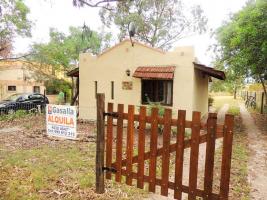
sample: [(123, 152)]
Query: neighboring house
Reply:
[(133, 74), (16, 77)]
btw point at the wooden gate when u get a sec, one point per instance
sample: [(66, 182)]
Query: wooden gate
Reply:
[(131, 160)]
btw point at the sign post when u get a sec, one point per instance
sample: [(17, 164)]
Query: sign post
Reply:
[(61, 121)]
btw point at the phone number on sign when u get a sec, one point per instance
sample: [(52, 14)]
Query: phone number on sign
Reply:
[(61, 131)]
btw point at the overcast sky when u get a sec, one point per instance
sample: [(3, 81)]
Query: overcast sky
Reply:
[(60, 14)]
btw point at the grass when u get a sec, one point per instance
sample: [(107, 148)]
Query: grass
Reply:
[(240, 185), (239, 172), (234, 110), (68, 171), (26, 172), (16, 115), (219, 101), (65, 172)]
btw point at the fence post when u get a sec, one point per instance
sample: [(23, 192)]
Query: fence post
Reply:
[(226, 156), (262, 100), (65, 97), (44, 93), (194, 152), (100, 144)]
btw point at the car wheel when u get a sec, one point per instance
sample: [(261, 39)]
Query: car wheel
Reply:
[(10, 111), (33, 110)]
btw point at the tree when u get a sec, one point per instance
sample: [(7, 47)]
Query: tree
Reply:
[(93, 3), (55, 86), (243, 42), (160, 23), (63, 50), (13, 21), (233, 82)]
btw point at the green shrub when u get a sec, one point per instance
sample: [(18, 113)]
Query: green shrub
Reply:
[(55, 86), (210, 101), (155, 105), (20, 113), (233, 110), (161, 110)]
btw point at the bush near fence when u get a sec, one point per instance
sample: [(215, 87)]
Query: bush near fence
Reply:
[(260, 99)]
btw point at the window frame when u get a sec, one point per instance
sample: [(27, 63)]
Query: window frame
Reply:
[(11, 90), (163, 80), (112, 90), (95, 89), (36, 86)]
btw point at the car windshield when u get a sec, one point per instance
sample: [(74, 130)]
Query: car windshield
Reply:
[(13, 97)]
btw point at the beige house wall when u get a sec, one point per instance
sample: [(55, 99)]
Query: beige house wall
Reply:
[(111, 66), (200, 92), (17, 75)]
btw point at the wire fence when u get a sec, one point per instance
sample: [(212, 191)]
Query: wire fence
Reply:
[(11, 108), (255, 100)]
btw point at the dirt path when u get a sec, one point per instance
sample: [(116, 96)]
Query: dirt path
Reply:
[(202, 152), (257, 164)]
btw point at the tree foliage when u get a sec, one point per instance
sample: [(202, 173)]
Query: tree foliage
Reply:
[(63, 50), (243, 42), (55, 86), (13, 21), (96, 3), (233, 82), (159, 23)]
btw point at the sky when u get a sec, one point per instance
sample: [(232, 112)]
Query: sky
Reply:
[(60, 14)]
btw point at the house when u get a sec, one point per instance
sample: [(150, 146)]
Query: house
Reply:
[(16, 77), (20, 76), (136, 74)]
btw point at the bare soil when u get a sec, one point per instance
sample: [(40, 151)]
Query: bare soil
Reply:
[(29, 132), (256, 129), (66, 167)]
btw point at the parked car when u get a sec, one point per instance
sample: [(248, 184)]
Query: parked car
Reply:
[(32, 102)]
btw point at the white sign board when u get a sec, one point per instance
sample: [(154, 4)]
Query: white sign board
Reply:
[(61, 121)]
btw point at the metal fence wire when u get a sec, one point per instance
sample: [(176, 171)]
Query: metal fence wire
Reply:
[(255, 100), (27, 107)]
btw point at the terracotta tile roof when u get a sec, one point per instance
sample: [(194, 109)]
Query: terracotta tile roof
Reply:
[(210, 71), (164, 72)]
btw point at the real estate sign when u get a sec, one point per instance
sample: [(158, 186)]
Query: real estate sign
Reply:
[(61, 121)]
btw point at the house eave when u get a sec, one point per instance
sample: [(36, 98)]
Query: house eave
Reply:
[(210, 71)]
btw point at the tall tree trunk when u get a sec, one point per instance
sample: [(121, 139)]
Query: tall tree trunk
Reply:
[(72, 88), (264, 88), (235, 92), (77, 92)]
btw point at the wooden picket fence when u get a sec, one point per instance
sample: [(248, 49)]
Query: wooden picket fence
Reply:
[(201, 133)]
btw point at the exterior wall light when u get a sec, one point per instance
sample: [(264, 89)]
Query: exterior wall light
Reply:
[(128, 72)]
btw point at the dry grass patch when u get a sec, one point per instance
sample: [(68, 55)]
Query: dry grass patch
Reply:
[(65, 172)]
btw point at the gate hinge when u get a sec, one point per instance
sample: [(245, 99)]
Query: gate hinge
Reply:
[(109, 169), (112, 114)]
